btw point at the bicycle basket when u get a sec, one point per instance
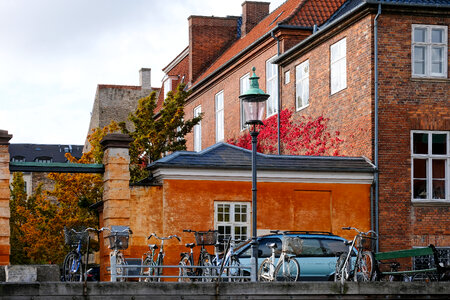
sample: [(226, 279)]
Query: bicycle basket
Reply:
[(71, 238), (118, 239), (206, 238), (292, 245), (368, 242)]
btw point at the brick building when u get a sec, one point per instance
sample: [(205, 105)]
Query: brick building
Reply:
[(379, 71)]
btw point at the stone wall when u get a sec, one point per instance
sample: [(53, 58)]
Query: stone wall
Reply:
[(4, 198)]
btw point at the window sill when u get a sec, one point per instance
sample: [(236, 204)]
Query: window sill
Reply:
[(419, 203), (430, 79), (302, 108)]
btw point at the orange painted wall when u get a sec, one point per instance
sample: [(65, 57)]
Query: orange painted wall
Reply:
[(189, 204)]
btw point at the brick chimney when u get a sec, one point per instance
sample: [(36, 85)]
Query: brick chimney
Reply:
[(252, 14), (208, 38), (4, 198), (145, 78)]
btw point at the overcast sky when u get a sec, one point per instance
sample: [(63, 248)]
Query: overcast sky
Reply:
[(53, 53)]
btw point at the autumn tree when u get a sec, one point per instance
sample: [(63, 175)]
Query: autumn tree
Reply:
[(157, 133), (37, 222), (304, 136)]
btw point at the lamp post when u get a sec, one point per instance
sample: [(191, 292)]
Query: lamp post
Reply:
[(254, 103)]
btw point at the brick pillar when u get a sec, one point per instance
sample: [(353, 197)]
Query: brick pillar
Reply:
[(4, 197), (116, 189)]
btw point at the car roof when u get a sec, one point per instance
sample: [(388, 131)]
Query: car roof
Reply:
[(304, 234)]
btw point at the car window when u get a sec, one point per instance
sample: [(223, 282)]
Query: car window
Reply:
[(263, 250), (333, 247), (311, 247)]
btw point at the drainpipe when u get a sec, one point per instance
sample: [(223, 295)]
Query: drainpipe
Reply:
[(279, 95), (375, 28)]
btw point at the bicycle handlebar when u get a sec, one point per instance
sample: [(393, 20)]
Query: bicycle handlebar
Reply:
[(194, 231), (164, 238), (360, 232), (87, 229), (115, 231)]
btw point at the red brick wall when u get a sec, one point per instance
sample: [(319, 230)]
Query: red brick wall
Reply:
[(407, 104), (349, 110), (228, 82), (252, 14)]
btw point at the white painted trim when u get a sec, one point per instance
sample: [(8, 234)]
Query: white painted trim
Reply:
[(263, 176), (176, 61)]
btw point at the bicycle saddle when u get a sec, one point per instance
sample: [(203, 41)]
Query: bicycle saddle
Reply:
[(153, 246), (272, 245), (190, 245)]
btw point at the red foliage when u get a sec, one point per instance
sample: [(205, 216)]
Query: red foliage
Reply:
[(306, 136)]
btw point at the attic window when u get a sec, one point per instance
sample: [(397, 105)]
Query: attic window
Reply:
[(43, 159), (274, 20), (18, 159)]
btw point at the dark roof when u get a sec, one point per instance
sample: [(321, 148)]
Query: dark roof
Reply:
[(30, 152), (226, 156)]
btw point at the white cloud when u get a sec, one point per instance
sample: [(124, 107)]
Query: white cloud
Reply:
[(54, 52)]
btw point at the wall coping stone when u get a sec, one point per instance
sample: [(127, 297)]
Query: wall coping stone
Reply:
[(4, 137), (116, 140)]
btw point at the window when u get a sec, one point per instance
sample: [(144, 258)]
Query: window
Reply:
[(198, 130), (272, 87), (232, 219), (302, 85), (287, 77), (338, 66), (43, 159), (18, 159), (427, 261), (219, 117), (430, 165), (244, 85), (429, 51), (167, 87)]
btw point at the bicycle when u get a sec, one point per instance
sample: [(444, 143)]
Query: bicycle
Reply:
[(153, 261), (73, 266), (287, 267), (228, 264), (363, 265), (118, 240), (186, 271)]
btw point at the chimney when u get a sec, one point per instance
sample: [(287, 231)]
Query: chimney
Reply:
[(208, 38), (252, 14), (145, 78)]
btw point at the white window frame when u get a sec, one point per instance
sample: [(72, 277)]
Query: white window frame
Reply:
[(429, 167), (220, 122), (198, 130), (167, 86), (302, 85), (428, 45), (232, 223), (244, 85), (272, 87), (287, 77), (338, 66)]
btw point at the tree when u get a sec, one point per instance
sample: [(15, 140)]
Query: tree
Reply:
[(157, 133), (306, 136), (37, 222)]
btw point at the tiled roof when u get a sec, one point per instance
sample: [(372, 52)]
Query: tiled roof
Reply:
[(226, 156), (413, 2), (29, 152), (304, 13)]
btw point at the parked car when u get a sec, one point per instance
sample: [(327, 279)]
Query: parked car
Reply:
[(317, 260)]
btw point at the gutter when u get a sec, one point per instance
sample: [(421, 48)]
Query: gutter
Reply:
[(376, 181), (279, 94)]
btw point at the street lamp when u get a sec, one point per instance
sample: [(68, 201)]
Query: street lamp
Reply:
[(254, 103)]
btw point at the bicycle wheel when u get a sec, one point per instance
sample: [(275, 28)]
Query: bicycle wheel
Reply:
[(148, 271), (234, 269), (120, 261), (288, 270), (207, 272), (265, 270), (364, 267), (424, 277), (342, 273), (159, 271), (184, 271), (72, 267)]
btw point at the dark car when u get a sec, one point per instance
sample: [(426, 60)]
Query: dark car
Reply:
[(317, 260)]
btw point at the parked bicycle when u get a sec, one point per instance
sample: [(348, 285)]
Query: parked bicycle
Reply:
[(361, 268), (187, 270), (118, 240), (287, 267), (73, 266), (226, 264), (153, 261)]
